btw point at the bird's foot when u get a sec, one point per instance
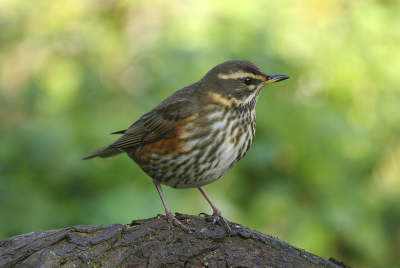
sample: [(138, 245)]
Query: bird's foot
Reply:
[(172, 220), (217, 216)]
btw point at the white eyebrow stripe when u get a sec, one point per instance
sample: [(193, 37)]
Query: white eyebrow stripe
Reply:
[(240, 74)]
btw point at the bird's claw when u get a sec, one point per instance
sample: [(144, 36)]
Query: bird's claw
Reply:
[(217, 216), (214, 219), (172, 220)]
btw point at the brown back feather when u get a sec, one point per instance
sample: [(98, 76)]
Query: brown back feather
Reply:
[(157, 124)]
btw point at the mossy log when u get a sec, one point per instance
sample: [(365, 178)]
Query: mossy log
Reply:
[(152, 243)]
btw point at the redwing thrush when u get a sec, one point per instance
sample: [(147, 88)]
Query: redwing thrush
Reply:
[(198, 133)]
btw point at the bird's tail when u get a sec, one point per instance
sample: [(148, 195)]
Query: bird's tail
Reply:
[(104, 153)]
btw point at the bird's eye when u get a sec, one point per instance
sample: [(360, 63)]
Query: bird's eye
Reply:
[(247, 81)]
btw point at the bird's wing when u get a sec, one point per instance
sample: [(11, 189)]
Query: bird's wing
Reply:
[(157, 124)]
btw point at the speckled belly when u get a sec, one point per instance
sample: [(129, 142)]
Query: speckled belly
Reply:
[(198, 155)]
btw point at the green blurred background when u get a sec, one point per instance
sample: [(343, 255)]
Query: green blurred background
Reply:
[(323, 171)]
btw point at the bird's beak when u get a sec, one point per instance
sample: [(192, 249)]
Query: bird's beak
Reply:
[(273, 78)]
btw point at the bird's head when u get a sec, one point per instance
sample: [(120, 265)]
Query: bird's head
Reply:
[(237, 82)]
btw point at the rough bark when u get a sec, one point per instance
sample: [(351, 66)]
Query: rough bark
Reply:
[(152, 243)]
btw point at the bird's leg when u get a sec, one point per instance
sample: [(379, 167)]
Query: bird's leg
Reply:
[(170, 217), (216, 212)]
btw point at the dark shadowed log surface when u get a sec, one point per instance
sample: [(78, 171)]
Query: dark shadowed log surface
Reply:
[(152, 243)]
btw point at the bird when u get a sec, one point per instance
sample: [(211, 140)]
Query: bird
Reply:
[(198, 133)]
